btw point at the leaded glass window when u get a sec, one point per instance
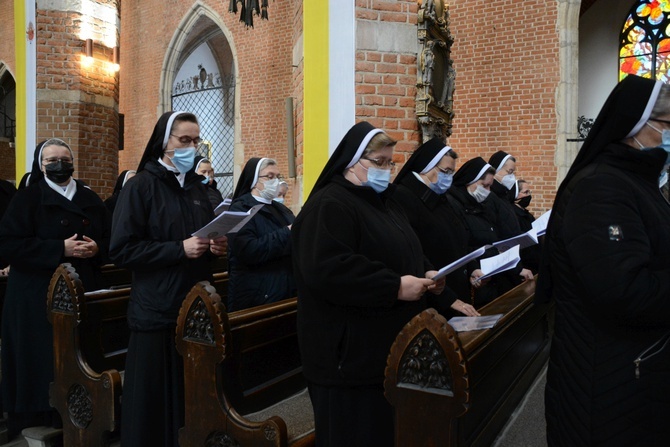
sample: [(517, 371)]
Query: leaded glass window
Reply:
[(644, 47)]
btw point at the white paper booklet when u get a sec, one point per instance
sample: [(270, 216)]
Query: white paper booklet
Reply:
[(227, 222), (523, 240), (460, 262), (540, 224), (464, 324), (500, 263), (223, 206)]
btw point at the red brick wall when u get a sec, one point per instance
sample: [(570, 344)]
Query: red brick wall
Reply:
[(506, 83), (264, 63), (386, 82), (506, 86), (71, 97)]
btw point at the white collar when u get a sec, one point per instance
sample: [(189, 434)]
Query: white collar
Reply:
[(67, 191), (180, 177)]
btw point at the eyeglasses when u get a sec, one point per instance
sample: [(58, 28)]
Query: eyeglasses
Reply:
[(272, 176), (527, 191), (185, 139), (445, 171), (56, 159), (381, 162)]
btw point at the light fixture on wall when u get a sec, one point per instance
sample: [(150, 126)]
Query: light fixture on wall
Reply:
[(88, 53), (115, 59)]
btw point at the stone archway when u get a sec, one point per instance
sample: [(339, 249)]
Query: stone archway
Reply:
[(568, 88)]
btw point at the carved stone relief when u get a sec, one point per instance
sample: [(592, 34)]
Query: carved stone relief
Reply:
[(436, 74)]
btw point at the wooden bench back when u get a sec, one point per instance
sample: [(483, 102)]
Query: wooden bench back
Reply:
[(452, 388), (90, 343), (235, 363)]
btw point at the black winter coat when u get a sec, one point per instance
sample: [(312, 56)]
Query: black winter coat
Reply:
[(259, 260), (610, 268), (349, 251), (32, 232), (152, 218), (443, 235)]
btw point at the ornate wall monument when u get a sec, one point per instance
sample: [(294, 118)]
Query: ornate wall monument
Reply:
[(436, 74)]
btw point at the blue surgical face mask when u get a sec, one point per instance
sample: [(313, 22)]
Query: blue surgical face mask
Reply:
[(443, 182), (378, 179), (183, 159), (279, 199), (665, 141), (205, 181)]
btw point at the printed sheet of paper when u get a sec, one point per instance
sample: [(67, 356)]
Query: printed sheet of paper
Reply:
[(540, 224), (500, 263), (460, 262), (223, 206), (227, 222), (523, 240), (464, 324)]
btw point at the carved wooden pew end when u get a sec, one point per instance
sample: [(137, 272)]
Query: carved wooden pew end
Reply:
[(88, 337), (214, 345), (426, 374), (452, 388)]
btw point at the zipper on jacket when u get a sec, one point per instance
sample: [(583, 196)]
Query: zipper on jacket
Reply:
[(646, 355)]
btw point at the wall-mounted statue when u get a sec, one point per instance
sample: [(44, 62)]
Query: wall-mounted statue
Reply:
[(436, 74)]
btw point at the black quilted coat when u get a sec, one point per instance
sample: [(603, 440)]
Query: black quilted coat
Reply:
[(609, 371)]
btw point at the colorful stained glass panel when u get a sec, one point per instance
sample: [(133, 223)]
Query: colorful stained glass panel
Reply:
[(644, 48)]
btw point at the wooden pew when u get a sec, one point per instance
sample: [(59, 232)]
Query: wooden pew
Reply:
[(90, 342), (453, 389), (236, 366), (91, 337)]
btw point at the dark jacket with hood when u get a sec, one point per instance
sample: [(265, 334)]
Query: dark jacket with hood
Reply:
[(153, 216), (607, 268), (349, 251)]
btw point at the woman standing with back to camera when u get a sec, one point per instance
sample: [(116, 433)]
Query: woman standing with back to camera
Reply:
[(606, 265)]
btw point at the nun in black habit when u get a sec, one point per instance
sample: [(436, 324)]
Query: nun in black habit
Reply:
[(203, 167), (606, 265), (155, 215), (121, 180), (259, 259), (420, 190), (54, 220), (469, 195), (361, 277)]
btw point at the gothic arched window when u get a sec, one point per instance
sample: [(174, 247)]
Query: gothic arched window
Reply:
[(644, 46)]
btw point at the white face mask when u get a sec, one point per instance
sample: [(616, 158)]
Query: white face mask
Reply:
[(508, 181), (270, 188), (480, 194)]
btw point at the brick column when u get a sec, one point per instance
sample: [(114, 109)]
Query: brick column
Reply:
[(77, 99)]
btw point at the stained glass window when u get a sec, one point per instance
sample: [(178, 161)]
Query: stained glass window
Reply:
[(644, 48)]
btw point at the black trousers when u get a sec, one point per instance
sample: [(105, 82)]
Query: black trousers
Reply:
[(352, 417)]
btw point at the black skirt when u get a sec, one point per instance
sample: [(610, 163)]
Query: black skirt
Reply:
[(153, 391)]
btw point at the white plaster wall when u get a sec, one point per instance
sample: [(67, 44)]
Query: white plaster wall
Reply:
[(599, 31)]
